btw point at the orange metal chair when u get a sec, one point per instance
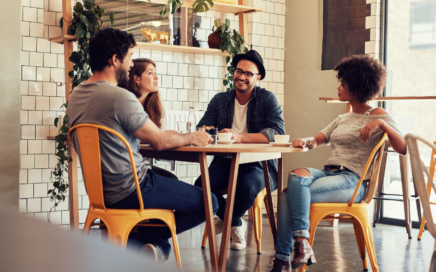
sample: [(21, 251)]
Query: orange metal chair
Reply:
[(119, 222), (431, 172), (256, 211), (355, 212)]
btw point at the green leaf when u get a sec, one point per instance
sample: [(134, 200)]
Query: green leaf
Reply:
[(242, 47), (56, 121), (227, 24), (227, 59), (225, 82), (71, 73), (84, 20), (78, 7), (111, 17), (80, 32), (71, 30), (88, 35)]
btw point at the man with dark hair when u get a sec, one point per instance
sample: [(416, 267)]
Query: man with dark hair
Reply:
[(253, 115), (100, 101)]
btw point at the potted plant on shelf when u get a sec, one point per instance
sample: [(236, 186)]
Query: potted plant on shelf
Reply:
[(214, 39)]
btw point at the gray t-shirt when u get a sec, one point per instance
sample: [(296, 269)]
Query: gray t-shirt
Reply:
[(104, 104), (346, 147)]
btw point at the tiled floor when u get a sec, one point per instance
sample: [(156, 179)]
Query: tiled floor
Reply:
[(335, 250)]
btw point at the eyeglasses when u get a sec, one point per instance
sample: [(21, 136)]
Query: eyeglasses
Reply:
[(248, 75)]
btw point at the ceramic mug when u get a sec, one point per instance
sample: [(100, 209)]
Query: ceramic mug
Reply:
[(226, 136), (281, 138)]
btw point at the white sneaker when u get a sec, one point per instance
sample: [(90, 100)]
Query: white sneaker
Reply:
[(238, 241), (218, 226)]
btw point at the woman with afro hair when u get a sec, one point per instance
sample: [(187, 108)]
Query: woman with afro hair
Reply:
[(352, 137)]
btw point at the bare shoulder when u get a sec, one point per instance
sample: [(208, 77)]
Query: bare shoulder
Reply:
[(378, 111)]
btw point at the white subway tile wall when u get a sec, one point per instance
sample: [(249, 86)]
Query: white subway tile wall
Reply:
[(185, 80)]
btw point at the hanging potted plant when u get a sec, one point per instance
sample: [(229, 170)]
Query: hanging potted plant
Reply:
[(214, 39)]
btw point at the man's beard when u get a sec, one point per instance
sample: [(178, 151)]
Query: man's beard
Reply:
[(122, 76), (249, 86)]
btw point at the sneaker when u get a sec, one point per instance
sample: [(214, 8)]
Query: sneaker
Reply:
[(155, 252), (238, 241)]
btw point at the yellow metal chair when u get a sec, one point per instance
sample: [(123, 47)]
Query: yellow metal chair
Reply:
[(256, 211), (355, 212), (431, 173), (119, 222)]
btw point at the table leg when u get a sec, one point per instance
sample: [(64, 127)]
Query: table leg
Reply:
[(234, 168), (269, 200), (379, 190), (229, 211), (210, 226), (404, 168), (279, 185)]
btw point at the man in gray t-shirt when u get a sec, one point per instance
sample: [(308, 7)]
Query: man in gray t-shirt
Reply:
[(100, 101)]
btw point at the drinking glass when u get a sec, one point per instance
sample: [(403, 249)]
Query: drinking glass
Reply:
[(182, 126)]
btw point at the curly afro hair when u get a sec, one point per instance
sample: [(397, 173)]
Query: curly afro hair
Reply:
[(106, 43), (364, 75)]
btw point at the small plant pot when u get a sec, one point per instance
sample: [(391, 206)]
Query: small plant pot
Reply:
[(214, 40)]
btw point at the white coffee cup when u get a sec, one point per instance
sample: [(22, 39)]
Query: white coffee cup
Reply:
[(225, 136), (281, 138)]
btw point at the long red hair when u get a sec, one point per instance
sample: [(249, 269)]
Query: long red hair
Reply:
[(152, 105)]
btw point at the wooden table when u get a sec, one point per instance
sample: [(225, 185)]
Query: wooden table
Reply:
[(239, 153)]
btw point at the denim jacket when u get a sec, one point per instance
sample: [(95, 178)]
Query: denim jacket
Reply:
[(264, 115)]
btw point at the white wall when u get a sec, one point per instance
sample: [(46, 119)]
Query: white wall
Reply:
[(305, 115), (185, 80)]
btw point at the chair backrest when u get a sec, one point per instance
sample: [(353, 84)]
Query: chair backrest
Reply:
[(89, 144), (373, 166), (418, 170)]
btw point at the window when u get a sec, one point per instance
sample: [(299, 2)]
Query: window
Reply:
[(411, 72), (422, 27)]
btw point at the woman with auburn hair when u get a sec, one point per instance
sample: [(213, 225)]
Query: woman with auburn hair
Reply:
[(352, 136), (143, 83)]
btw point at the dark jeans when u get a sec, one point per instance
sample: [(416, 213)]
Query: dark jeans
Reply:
[(249, 183), (161, 192)]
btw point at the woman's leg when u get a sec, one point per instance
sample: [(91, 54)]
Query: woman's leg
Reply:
[(285, 238)]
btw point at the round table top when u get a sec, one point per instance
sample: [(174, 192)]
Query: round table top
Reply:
[(233, 148)]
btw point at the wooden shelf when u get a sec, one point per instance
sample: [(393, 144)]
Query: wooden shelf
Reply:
[(51, 137), (221, 7), (181, 49), (63, 38), (390, 98)]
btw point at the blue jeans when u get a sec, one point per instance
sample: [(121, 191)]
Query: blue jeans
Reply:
[(161, 192), (320, 186), (249, 183)]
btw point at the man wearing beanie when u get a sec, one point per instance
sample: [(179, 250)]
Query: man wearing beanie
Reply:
[(253, 115)]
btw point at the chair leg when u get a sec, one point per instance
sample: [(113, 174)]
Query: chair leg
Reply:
[(360, 244), (88, 223), (257, 220), (377, 202), (404, 168), (421, 229), (203, 243), (176, 247), (365, 226)]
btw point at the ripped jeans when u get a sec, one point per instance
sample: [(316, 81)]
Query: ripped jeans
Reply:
[(294, 208)]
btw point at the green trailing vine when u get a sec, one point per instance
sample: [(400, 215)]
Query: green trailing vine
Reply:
[(85, 22), (234, 43)]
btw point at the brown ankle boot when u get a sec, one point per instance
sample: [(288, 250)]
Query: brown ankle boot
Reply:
[(281, 266), (303, 254)]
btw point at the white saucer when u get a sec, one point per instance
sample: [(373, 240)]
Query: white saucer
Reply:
[(226, 142), (281, 144)]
